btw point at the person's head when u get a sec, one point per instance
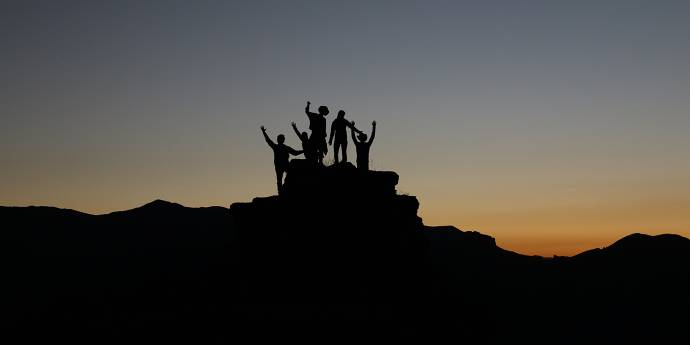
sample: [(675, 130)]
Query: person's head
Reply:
[(341, 114), (362, 137), (304, 136), (281, 138), (323, 110)]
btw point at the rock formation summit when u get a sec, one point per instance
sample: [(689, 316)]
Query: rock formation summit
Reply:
[(339, 231)]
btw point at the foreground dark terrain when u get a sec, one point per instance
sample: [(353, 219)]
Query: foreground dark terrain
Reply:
[(339, 258)]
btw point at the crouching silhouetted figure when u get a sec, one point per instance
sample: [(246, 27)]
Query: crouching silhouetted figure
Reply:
[(281, 156), (307, 146), (363, 146), (339, 131)]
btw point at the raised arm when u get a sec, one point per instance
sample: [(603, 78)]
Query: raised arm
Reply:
[(373, 132), (268, 140), (354, 138), (310, 115), (294, 127), (306, 110)]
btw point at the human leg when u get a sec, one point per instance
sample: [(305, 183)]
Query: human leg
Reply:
[(336, 148), (324, 149), (279, 178)]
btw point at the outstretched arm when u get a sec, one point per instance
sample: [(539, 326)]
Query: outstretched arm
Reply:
[(351, 124), (306, 110), (354, 138), (373, 132), (294, 127), (268, 140), (294, 152)]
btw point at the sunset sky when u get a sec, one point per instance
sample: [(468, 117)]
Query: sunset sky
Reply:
[(553, 126)]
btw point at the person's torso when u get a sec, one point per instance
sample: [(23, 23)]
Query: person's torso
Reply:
[(340, 126), (317, 123), (306, 146), (321, 125), (281, 153), (362, 151)]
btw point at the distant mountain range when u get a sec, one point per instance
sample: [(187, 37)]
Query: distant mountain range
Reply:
[(340, 258)]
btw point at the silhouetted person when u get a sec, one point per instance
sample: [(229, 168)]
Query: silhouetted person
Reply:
[(281, 156), (317, 125), (339, 130), (307, 147), (363, 146)]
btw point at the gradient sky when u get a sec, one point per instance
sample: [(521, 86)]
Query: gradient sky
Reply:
[(554, 126)]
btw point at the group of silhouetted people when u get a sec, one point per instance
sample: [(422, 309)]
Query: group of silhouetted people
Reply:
[(314, 146)]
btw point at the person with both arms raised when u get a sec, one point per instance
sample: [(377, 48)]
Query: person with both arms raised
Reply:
[(363, 146)]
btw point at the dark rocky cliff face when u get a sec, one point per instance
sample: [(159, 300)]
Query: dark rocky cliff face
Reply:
[(335, 233)]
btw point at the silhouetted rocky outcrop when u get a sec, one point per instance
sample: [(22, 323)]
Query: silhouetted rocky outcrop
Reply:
[(340, 257)]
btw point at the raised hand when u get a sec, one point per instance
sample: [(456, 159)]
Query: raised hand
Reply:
[(373, 123), (263, 129)]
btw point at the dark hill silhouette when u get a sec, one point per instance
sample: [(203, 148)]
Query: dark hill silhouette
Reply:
[(641, 246), (340, 257)]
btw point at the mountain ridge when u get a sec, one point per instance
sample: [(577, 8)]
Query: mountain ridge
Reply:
[(354, 265), (159, 205)]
